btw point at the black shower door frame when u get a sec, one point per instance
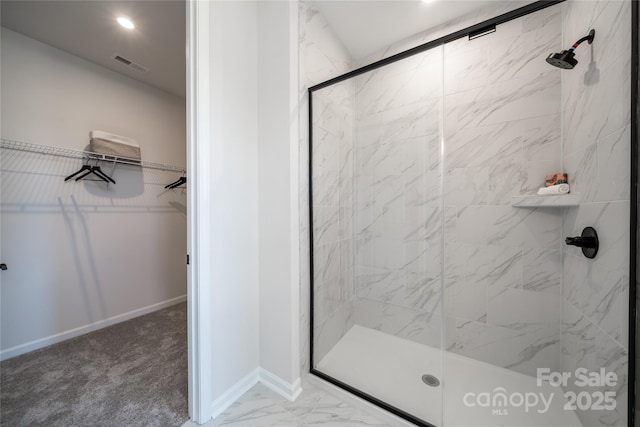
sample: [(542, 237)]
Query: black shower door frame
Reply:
[(474, 30)]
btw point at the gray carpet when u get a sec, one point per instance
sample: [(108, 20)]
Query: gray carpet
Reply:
[(130, 374)]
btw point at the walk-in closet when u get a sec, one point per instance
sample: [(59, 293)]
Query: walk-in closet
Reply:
[(93, 213)]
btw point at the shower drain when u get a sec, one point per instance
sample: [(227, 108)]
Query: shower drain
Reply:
[(430, 380)]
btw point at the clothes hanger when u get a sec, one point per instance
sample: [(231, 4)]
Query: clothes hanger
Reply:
[(88, 169), (97, 171), (82, 169), (177, 183)]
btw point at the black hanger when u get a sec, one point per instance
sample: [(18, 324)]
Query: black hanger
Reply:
[(91, 170), (82, 169), (177, 183)]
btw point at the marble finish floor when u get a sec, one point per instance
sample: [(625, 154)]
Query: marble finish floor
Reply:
[(262, 407)]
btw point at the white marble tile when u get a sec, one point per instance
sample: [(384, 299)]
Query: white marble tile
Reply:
[(364, 252), (504, 225), (522, 350), (347, 269), (495, 265), (541, 138), (404, 322), (597, 292), (423, 293), (467, 186), (421, 154), (422, 190), (513, 308), (325, 150), (327, 114), (368, 220), (516, 99), (388, 158), (542, 270), (578, 340), (322, 54), (523, 55), (388, 191), (476, 146), (381, 285), (585, 345), (582, 170), (400, 84), (412, 121), (614, 169), (328, 332), (423, 257), (365, 189), (255, 408), (368, 129), (423, 223), (263, 407), (507, 180), (388, 254), (466, 299), (596, 93), (465, 67), (325, 187), (326, 224)]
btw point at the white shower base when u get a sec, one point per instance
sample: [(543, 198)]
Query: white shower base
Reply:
[(391, 368)]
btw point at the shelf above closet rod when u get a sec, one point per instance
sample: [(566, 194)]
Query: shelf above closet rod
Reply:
[(79, 154)]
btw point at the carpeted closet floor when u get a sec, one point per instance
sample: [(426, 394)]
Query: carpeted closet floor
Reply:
[(130, 374)]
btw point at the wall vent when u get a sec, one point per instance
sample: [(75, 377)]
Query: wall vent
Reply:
[(129, 63)]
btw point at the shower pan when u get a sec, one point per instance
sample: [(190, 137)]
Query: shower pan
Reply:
[(443, 288)]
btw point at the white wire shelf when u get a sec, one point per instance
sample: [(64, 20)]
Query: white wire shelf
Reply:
[(79, 154)]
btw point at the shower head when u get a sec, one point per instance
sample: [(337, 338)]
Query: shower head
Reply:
[(566, 58)]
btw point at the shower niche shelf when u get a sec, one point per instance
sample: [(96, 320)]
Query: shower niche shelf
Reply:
[(536, 201)]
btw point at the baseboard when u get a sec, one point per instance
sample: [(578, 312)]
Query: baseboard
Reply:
[(234, 392), (289, 391), (76, 332)]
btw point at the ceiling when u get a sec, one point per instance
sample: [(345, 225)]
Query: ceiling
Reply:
[(89, 30), (368, 26)]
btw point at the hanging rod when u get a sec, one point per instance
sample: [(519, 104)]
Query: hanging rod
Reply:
[(79, 154)]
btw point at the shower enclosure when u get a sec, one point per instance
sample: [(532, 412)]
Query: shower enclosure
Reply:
[(441, 285)]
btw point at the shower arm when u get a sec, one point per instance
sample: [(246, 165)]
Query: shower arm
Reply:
[(589, 37)]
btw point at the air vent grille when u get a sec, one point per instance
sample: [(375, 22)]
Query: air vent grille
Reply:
[(129, 63)]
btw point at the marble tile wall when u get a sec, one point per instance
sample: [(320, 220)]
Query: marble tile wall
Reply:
[(514, 295), (322, 56), (494, 108), (596, 141), (333, 214), (398, 214), (503, 265)]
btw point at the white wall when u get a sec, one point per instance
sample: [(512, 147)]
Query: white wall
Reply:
[(234, 193), (82, 252), (277, 172)]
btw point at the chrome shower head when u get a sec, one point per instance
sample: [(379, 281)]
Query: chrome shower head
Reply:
[(566, 58)]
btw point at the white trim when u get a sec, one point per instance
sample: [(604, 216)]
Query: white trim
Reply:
[(234, 392), (198, 210), (294, 189), (76, 332), (289, 391)]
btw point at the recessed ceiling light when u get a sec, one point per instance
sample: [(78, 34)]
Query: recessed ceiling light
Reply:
[(126, 22), (428, 1)]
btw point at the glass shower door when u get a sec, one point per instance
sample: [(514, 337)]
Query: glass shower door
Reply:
[(377, 235)]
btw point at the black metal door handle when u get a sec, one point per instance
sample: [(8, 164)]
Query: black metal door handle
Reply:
[(3, 266)]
